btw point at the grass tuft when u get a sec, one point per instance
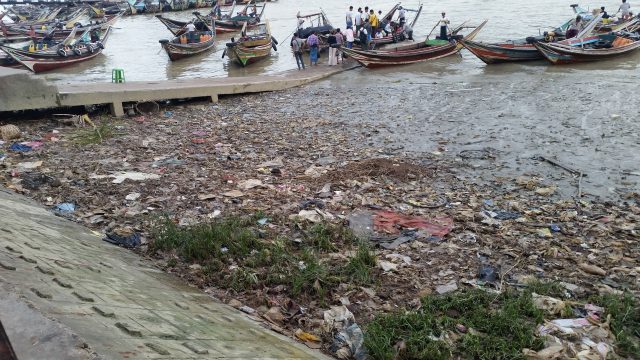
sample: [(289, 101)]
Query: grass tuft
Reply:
[(502, 327), (625, 322), (94, 135), (359, 268)]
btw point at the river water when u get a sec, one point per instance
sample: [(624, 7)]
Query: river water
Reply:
[(134, 46), (584, 116)]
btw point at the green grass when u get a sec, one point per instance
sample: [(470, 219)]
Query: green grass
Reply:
[(95, 135), (625, 322), (360, 266), (231, 237), (502, 325)]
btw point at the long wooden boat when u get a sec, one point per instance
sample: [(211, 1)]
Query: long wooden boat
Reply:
[(243, 16), (414, 53), (398, 34), (251, 47), (175, 26), (608, 46), (37, 62), (181, 47), (523, 49)]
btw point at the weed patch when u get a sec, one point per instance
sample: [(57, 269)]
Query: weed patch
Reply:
[(625, 322), (94, 135), (497, 328)]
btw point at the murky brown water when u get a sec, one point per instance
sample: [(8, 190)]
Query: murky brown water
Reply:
[(134, 45)]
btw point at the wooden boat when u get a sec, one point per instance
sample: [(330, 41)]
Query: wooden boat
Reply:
[(175, 26), (398, 33), (523, 49), (254, 45), (180, 47), (243, 16), (37, 62), (414, 53), (608, 46)]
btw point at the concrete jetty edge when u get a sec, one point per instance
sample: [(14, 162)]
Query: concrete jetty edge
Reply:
[(19, 90)]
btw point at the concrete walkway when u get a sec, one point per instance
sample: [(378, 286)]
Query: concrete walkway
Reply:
[(66, 294), (12, 90)]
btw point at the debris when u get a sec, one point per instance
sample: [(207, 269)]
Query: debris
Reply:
[(387, 265), (391, 222), (447, 288), (234, 303), (592, 269), (551, 306), (250, 184), (17, 147), (247, 309), (29, 165), (124, 237), (233, 194), (65, 208), (546, 191), (9, 132), (314, 216), (305, 336), (132, 196), (119, 178)]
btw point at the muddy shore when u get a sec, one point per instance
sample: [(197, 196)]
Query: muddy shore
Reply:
[(427, 152)]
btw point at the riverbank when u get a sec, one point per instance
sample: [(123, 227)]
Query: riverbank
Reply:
[(306, 167)]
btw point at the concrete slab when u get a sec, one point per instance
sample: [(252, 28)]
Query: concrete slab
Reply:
[(19, 90), (63, 300)]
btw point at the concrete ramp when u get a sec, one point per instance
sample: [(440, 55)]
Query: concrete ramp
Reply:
[(66, 294), (19, 90)]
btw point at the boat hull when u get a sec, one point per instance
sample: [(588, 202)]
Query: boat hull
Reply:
[(559, 54), (503, 52), (244, 56), (181, 51)]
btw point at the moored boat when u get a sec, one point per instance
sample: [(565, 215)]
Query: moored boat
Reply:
[(414, 53), (184, 45), (41, 62), (606, 47), (254, 45)]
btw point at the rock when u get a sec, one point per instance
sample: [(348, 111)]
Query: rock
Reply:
[(234, 303), (546, 191), (446, 288), (387, 265), (196, 267), (247, 309), (274, 314), (250, 184), (592, 269), (132, 196), (233, 194)]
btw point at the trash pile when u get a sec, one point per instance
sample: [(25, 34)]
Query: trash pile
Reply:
[(433, 230)]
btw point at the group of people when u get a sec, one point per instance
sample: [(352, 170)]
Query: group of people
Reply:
[(367, 25), (578, 24), (336, 39)]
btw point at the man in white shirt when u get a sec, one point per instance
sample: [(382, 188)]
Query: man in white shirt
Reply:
[(349, 17), (349, 37), (625, 8), (358, 19), (402, 15), (191, 28)]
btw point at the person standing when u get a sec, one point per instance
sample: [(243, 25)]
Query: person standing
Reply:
[(373, 20), (444, 27), (575, 27), (340, 42), (625, 9), (367, 26), (191, 30), (349, 17), (314, 44), (358, 19), (366, 14), (402, 16), (296, 47), (349, 38), (333, 47), (363, 35)]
